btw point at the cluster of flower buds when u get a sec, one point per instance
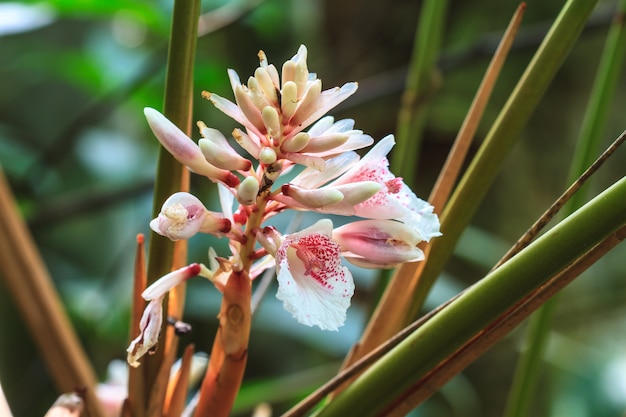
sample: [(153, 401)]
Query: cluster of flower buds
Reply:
[(285, 128)]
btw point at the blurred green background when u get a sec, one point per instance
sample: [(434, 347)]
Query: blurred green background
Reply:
[(75, 76)]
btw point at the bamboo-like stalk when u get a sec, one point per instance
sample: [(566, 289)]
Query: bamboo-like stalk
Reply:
[(350, 372), (171, 177), (32, 289), (179, 387), (528, 368), (486, 338), (389, 315), (419, 85), (441, 336), (500, 140)]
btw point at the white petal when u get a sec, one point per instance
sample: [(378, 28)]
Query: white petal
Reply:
[(150, 327), (231, 109), (312, 284), (312, 178), (323, 103)]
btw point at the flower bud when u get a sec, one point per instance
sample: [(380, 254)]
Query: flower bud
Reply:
[(272, 121), (264, 80), (246, 142), (326, 143), (296, 143), (316, 198), (267, 156), (270, 239), (161, 286), (289, 100), (218, 151), (250, 111), (247, 191), (184, 149), (288, 72), (358, 192), (378, 243), (307, 103), (183, 215)]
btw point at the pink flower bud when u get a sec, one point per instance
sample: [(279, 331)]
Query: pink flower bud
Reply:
[(161, 286), (315, 198), (378, 243), (326, 143), (270, 239), (184, 149)]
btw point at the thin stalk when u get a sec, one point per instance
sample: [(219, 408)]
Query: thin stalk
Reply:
[(419, 85), (178, 389), (452, 167), (389, 314), (31, 287), (528, 368), (171, 177), (500, 140), (502, 289), (560, 202), (487, 337)]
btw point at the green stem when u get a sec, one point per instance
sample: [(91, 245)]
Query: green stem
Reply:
[(419, 84), (170, 178), (481, 305), (528, 367), (501, 138)]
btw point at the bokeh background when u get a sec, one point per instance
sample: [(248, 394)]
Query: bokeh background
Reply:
[(75, 76)]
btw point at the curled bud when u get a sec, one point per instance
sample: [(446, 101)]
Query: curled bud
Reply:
[(270, 239), (150, 327)]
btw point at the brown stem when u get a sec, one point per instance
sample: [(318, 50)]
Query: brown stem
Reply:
[(35, 296), (391, 313), (230, 349)]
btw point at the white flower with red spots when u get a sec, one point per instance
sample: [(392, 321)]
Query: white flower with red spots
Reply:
[(312, 284)]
